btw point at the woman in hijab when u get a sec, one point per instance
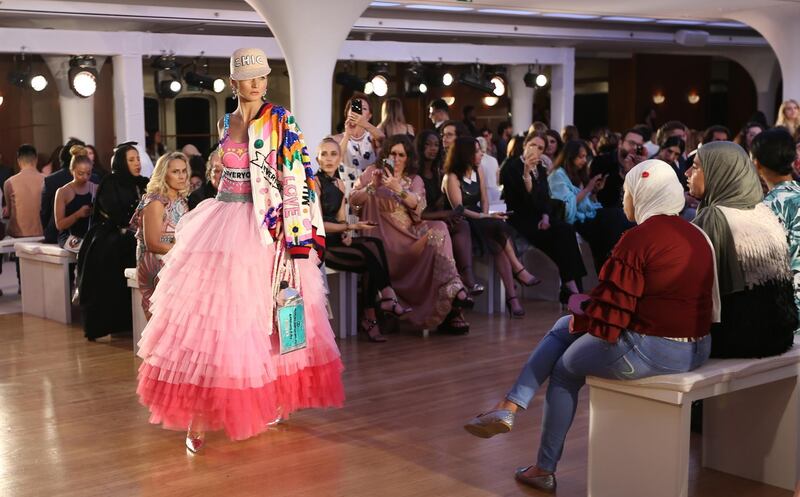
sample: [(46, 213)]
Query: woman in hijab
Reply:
[(109, 247), (755, 279), (650, 315)]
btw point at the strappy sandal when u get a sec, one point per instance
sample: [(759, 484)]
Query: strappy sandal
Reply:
[(463, 303), (371, 323), (394, 309), (514, 314), (455, 324), (535, 281)]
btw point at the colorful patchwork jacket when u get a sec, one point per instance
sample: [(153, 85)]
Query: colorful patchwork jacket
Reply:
[(284, 195)]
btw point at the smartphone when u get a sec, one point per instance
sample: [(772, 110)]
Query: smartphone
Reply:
[(640, 150), (388, 164), (355, 106)]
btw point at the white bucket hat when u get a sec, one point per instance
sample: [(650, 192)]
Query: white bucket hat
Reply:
[(249, 63)]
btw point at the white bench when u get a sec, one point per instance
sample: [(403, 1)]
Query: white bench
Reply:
[(639, 430), (139, 319), (7, 243), (44, 272)]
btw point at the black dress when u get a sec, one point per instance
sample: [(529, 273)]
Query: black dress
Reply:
[(365, 255), (108, 249), (559, 241), (489, 232), (81, 226)]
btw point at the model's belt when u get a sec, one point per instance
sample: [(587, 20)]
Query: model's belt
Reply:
[(234, 197)]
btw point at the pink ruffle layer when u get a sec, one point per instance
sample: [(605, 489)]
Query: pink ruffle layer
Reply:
[(207, 351)]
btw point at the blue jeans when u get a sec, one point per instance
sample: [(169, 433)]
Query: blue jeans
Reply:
[(567, 359)]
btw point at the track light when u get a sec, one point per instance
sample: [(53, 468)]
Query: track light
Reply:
[(82, 75), (534, 79), (416, 82), (23, 77), (380, 78), (475, 78), (168, 79), (349, 80), (204, 82)]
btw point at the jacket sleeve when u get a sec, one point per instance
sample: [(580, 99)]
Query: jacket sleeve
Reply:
[(560, 190), (613, 301)]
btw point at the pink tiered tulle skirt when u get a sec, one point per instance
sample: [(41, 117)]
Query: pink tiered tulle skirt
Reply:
[(207, 352)]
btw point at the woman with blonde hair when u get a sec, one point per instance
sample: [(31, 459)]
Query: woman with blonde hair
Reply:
[(157, 217), (73, 201), (789, 116), (393, 121)]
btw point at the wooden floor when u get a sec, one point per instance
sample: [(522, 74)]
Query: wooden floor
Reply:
[(71, 426)]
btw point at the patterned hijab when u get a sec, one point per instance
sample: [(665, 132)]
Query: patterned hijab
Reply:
[(731, 181)]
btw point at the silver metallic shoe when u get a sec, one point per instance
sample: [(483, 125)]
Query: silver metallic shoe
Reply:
[(545, 483), (491, 423)]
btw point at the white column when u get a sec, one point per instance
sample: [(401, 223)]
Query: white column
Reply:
[(311, 48), (521, 99), (763, 68), (778, 25), (562, 91), (128, 98), (77, 113)]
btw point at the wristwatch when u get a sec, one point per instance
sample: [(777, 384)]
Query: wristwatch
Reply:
[(403, 194)]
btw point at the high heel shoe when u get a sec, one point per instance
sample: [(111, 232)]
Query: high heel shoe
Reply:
[(476, 289), (394, 309), (533, 282), (195, 441), (365, 329), (511, 312), (463, 303)]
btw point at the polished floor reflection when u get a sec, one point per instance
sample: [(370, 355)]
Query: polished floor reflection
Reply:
[(71, 425)]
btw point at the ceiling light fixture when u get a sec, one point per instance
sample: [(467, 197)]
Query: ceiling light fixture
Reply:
[(83, 75), (380, 78), (167, 78)]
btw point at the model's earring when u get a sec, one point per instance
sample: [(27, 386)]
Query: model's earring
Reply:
[(264, 97), (233, 90)]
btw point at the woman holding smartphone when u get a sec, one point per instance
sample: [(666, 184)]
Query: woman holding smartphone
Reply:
[(364, 255), (73, 201), (419, 253), (464, 186)]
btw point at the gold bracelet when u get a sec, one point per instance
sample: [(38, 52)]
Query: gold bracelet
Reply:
[(403, 194)]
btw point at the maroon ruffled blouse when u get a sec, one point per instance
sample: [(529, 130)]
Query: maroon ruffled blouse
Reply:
[(658, 281)]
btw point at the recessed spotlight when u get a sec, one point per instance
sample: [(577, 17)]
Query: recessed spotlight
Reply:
[(447, 79), (38, 82)]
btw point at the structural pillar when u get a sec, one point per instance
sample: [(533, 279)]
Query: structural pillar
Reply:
[(77, 113), (778, 25), (521, 99), (562, 92), (129, 99), (311, 49)]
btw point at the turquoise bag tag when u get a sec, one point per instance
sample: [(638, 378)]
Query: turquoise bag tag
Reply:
[(291, 321)]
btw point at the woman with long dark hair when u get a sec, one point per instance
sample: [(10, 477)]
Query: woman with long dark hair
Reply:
[(109, 247), (466, 187)]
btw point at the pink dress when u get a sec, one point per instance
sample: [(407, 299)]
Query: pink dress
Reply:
[(208, 352)]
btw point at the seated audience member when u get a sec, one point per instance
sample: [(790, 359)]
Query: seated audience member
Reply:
[(716, 133), (745, 137), (73, 201), (393, 120), (773, 153), (359, 142), (755, 281), (109, 247), (213, 175), (361, 254), (491, 148), (431, 171), (569, 182), (789, 116), (570, 133), (554, 144), (420, 255), (156, 218), (449, 131), (490, 170), (53, 182), (22, 194), (438, 112), (465, 186), (614, 165), (504, 133), (469, 120), (649, 315), (527, 195)]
